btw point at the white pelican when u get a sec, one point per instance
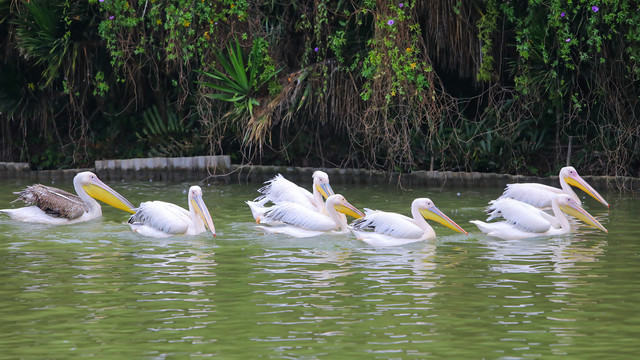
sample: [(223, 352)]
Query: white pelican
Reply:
[(54, 206), (280, 190), (526, 221), (387, 228), (299, 221), (162, 219), (540, 195)]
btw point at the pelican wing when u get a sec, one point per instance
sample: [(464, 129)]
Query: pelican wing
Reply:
[(162, 216), (280, 190), (538, 195), (53, 201), (301, 216), (388, 223), (507, 231), (521, 215)]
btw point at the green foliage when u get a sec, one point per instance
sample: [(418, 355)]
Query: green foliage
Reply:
[(101, 87), (44, 36), (457, 84), (236, 86), (50, 158), (395, 55), (487, 26), (167, 135), (174, 31), (243, 77)]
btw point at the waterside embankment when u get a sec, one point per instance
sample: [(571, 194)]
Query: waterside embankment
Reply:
[(220, 169)]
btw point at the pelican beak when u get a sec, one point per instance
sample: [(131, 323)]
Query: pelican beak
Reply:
[(101, 191), (325, 190), (577, 181), (348, 209), (577, 211), (433, 213), (203, 213)]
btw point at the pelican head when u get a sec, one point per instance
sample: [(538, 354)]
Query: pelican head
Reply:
[(197, 203), (343, 206), (321, 183), (570, 206), (98, 190), (430, 212), (571, 177)]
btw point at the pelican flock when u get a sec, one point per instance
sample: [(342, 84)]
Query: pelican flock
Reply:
[(526, 221), (162, 219), (527, 210), (540, 195), (53, 206), (521, 206), (279, 190), (299, 221)]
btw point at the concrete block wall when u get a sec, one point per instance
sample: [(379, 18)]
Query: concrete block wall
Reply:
[(163, 169), (262, 173), (219, 168)]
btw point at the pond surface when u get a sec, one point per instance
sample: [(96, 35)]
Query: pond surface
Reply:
[(98, 290)]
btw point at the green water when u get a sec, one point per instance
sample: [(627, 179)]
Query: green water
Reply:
[(98, 290)]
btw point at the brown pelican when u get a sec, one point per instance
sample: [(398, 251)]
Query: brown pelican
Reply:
[(163, 219), (53, 206)]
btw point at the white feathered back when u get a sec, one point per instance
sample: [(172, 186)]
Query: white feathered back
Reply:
[(388, 223), (301, 216), (523, 216), (163, 216)]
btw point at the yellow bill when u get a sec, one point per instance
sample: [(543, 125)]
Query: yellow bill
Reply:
[(325, 190), (348, 209), (577, 181), (580, 213), (203, 213), (433, 213), (101, 191)]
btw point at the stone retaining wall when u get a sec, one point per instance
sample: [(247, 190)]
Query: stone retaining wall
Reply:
[(163, 169), (219, 168), (11, 170), (420, 178)]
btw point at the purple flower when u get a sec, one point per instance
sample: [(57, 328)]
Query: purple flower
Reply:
[(595, 8), (390, 22), (111, 17), (316, 49), (401, 5), (101, 0), (569, 39), (562, 14)]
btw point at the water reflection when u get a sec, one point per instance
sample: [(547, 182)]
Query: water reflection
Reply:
[(556, 254), (539, 287), (344, 293)]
